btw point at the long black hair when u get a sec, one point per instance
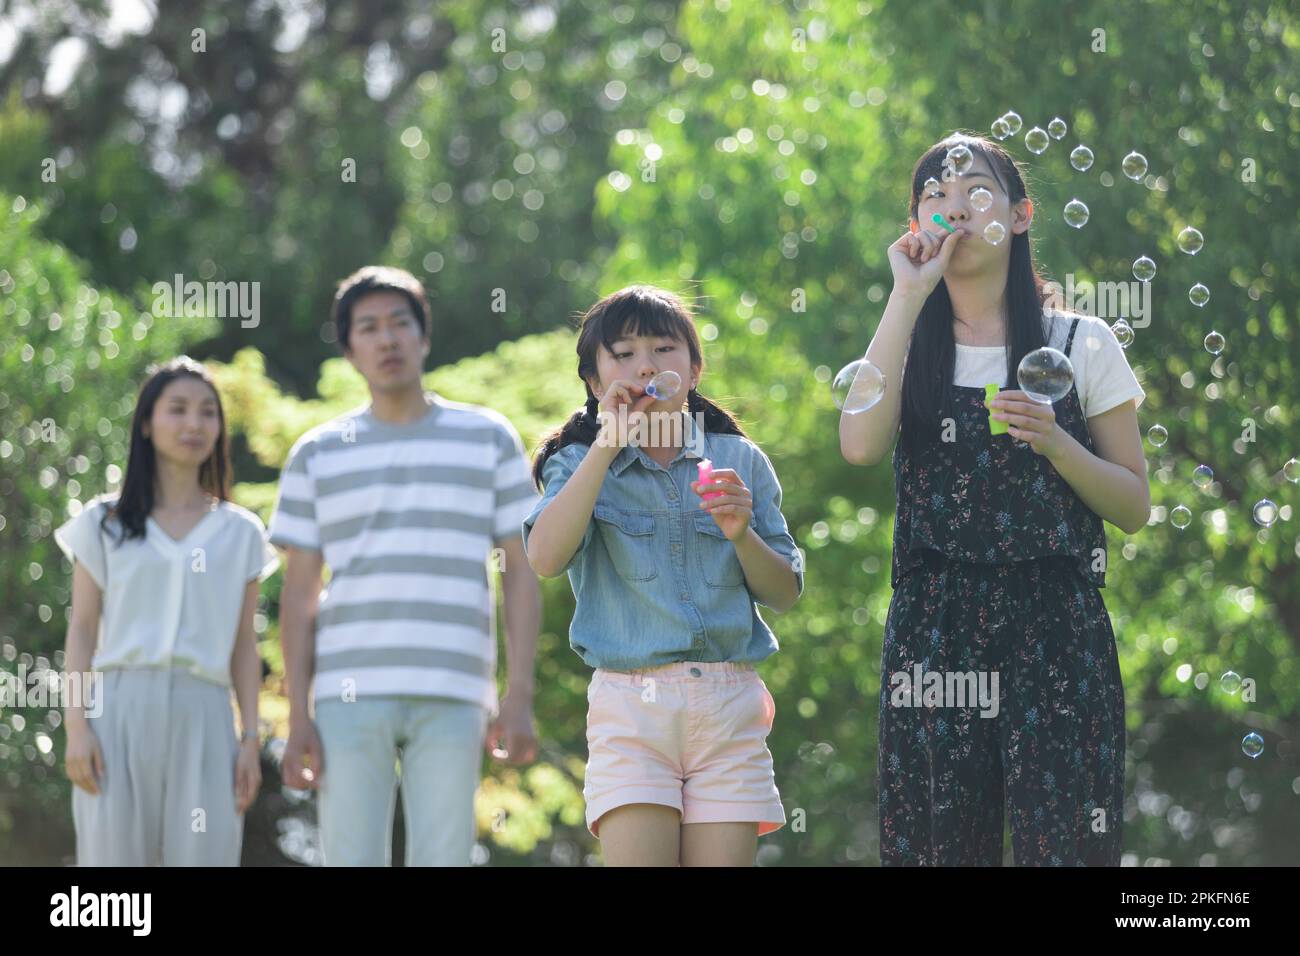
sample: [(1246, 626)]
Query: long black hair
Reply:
[(932, 353), (136, 500), (635, 310)]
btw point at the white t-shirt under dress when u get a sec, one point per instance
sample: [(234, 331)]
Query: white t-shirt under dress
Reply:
[(1102, 374)]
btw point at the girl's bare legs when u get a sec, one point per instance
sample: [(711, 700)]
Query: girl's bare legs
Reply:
[(719, 844), (648, 834), (641, 834)]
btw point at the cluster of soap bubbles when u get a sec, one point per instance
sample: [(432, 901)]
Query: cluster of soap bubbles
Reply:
[(1077, 214), (1008, 124), (957, 162), (1037, 140), (1123, 333), (1252, 745), (1265, 511)]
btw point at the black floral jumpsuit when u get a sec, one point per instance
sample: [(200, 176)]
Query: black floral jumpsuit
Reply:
[(996, 569)]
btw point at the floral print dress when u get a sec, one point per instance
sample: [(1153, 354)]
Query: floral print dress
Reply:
[(997, 570)]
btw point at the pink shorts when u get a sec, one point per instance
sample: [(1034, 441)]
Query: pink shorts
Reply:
[(691, 736)]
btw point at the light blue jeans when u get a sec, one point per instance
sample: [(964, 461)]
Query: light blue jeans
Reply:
[(439, 742)]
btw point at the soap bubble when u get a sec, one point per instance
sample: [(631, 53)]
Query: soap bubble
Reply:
[(664, 385), (1057, 128), (981, 199), (1134, 166), (1001, 129), (1198, 294), (1036, 140), (1123, 333), (961, 158), (1265, 513), (931, 187), (1203, 476), (1013, 122), (1157, 435), (1180, 517), (1230, 682), (1144, 269), (858, 386), (1214, 343), (1076, 213), (1291, 470), (1081, 158), (1190, 240), (995, 232), (1045, 375), (1252, 745)]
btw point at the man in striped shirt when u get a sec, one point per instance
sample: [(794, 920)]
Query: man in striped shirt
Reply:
[(408, 499)]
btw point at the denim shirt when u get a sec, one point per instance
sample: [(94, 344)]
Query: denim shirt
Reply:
[(655, 579)]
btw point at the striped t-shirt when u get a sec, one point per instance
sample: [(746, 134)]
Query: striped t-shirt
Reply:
[(407, 517)]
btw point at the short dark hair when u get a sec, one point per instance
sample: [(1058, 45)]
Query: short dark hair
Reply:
[(370, 279)]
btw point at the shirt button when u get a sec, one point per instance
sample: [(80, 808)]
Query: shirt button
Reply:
[(685, 596), (695, 672)]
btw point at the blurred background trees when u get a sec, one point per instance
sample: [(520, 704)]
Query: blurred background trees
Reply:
[(525, 158)]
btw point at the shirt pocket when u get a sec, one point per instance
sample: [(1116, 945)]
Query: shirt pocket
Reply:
[(719, 565), (629, 538)]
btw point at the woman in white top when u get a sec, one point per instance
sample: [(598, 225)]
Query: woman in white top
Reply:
[(165, 584)]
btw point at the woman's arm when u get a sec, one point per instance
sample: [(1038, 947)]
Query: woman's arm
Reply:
[(918, 261), (83, 759), (246, 674), (245, 664), (1113, 482), (866, 437)]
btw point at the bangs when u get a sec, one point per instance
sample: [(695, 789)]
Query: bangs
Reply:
[(642, 314), (930, 165)]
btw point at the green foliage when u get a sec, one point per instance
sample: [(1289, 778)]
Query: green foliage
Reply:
[(71, 359), (785, 170), (760, 158)]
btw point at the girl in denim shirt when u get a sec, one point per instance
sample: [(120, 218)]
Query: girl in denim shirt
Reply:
[(667, 586)]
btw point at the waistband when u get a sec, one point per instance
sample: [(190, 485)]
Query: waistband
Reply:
[(937, 562), (683, 671)]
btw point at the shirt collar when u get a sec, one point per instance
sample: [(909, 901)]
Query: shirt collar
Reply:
[(629, 453)]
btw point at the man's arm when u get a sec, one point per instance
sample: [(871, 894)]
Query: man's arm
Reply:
[(299, 604), (523, 612)]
